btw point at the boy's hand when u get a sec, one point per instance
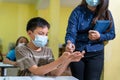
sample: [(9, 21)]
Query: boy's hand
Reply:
[(77, 56), (73, 57)]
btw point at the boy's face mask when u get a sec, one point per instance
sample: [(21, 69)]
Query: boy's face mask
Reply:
[(93, 3), (40, 40)]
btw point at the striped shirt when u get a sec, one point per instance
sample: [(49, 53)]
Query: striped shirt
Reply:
[(27, 57)]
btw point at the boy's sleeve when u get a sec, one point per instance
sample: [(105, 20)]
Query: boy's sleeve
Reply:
[(24, 61), (51, 56)]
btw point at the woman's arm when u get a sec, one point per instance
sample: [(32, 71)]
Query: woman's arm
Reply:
[(71, 31)]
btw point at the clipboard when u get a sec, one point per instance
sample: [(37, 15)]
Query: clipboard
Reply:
[(102, 25)]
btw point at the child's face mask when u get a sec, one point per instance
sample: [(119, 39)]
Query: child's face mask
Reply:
[(40, 40), (20, 44)]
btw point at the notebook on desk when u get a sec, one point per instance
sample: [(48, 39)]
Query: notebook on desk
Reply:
[(15, 78), (102, 25), (54, 78), (42, 78), (65, 78)]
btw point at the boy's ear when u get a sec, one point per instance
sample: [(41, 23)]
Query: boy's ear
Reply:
[(29, 32)]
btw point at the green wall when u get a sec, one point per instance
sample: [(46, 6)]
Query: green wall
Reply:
[(13, 19)]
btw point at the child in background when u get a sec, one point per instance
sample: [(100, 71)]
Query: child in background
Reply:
[(10, 57)]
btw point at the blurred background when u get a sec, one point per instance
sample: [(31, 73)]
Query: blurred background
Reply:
[(14, 15)]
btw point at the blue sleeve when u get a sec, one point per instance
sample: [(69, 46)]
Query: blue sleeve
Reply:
[(110, 34), (71, 31), (11, 55)]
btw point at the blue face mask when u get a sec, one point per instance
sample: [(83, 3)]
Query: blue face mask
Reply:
[(40, 41), (93, 3)]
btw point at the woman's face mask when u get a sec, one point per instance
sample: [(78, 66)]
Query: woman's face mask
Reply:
[(93, 3), (40, 40)]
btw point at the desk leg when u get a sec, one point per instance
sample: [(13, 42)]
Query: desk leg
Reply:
[(3, 72)]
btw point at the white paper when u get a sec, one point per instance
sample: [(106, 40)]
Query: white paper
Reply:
[(65, 78), (42, 78), (38, 78)]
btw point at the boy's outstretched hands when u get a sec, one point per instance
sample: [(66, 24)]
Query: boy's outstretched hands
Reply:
[(74, 56)]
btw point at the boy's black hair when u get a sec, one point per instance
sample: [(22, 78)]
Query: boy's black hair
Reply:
[(37, 22)]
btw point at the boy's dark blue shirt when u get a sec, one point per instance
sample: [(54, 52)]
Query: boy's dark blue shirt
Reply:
[(77, 31)]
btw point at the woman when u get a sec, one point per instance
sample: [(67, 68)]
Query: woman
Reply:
[(81, 35), (10, 57)]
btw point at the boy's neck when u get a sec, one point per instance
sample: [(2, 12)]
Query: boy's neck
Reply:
[(33, 47)]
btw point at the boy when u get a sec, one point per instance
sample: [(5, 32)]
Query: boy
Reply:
[(36, 59)]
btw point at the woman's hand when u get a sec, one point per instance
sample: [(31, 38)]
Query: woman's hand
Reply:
[(70, 47), (94, 35)]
